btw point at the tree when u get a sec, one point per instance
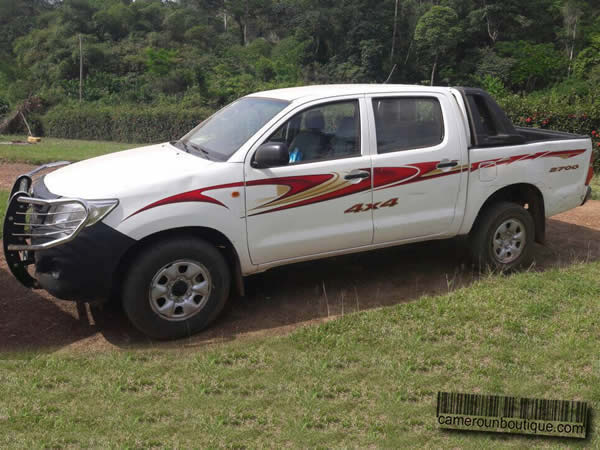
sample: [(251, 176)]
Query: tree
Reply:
[(572, 13), (536, 65), (437, 33)]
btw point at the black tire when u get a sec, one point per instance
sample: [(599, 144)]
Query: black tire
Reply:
[(146, 266), (481, 243)]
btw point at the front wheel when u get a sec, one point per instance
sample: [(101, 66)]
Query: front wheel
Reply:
[(503, 238), (176, 288)]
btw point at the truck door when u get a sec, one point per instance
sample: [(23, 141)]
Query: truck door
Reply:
[(299, 209), (417, 166)]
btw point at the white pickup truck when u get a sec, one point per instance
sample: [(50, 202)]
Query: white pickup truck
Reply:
[(290, 175)]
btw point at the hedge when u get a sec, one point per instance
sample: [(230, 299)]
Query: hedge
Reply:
[(123, 124), (546, 112)]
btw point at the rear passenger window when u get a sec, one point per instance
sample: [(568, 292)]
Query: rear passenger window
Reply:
[(405, 123)]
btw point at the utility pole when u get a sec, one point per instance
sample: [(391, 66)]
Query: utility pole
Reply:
[(80, 69), (394, 32)]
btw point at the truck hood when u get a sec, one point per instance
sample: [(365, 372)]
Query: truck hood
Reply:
[(119, 174)]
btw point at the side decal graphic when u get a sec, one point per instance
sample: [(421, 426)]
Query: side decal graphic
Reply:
[(331, 186), (309, 189)]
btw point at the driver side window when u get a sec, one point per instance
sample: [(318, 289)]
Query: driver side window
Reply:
[(322, 132)]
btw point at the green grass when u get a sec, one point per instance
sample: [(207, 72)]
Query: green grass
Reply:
[(367, 379), (595, 187), (52, 149)]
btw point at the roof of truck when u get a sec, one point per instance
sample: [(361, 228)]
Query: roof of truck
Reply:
[(333, 90)]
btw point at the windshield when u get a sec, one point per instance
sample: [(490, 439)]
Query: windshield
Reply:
[(227, 130)]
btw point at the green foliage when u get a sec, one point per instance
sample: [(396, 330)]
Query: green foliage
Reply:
[(124, 124), (3, 107), (160, 62), (207, 53), (587, 63), (534, 64), (552, 112), (437, 32), (493, 85)]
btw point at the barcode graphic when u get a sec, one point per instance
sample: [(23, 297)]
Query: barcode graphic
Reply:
[(562, 417)]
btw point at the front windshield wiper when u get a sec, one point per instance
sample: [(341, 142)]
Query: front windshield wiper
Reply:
[(199, 148), (189, 147), (180, 145)]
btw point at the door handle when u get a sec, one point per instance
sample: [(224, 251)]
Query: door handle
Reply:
[(357, 175), (446, 163)]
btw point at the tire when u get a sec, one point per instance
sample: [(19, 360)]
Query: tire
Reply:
[(495, 242), (176, 288)]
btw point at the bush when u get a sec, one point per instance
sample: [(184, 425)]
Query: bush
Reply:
[(122, 123), (554, 113)]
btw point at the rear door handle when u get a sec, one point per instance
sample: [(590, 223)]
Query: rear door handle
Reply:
[(357, 175), (446, 163)]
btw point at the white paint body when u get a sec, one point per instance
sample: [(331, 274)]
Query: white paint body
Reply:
[(434, 208)]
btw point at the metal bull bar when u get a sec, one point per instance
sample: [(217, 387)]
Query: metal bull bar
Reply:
[(24, 222)]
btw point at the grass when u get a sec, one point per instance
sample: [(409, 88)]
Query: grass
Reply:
[(595, 187), (367, 379), (52, 149)]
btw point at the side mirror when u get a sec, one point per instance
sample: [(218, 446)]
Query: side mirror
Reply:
[(271, 154)]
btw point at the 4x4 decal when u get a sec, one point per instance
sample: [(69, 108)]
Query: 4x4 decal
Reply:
[(310, 189), (363, 207)]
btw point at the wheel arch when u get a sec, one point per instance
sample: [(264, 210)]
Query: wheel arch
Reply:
[(215, 237), (527, 195)]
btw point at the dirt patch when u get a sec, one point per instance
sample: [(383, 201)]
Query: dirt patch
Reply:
[(10, 172), (284, 298)]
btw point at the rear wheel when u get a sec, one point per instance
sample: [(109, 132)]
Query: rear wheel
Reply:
[(176, 288), (503, 238)]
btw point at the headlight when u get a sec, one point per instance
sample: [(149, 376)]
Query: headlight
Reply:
[(69, 215), (99, 209)]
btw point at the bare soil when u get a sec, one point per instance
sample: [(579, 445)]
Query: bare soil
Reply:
[(284, 298), (10, 172)]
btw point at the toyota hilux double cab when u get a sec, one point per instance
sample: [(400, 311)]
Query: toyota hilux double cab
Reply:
[(283, 176)]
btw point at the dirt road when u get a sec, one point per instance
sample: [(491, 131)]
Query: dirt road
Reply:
[(281, 299)]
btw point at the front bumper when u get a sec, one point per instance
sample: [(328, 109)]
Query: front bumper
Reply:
[(78, 265), (85, 268)]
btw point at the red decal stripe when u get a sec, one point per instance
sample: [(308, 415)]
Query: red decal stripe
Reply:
[(512, 159), (190, 196), (389, 177)]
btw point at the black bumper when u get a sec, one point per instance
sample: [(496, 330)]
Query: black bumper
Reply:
[(81, 269), (85, 268)]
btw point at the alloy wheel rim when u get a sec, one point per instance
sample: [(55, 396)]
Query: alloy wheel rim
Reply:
[(180, 290), (509, 241)]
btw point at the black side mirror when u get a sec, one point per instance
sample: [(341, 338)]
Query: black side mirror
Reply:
[(271, 154)]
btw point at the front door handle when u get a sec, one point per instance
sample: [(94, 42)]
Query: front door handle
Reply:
[(357, 175), (444, 163)]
